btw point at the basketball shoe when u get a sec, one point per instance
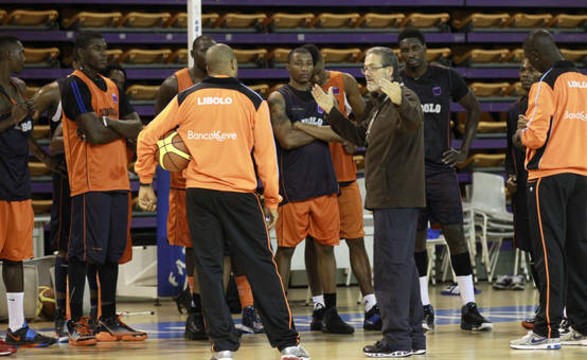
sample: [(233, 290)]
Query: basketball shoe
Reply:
[(534, 341), (113, 329), (80, 332), (27, 337), (471, 319)]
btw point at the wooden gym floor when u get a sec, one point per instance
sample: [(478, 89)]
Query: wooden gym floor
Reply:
[(165, 328)]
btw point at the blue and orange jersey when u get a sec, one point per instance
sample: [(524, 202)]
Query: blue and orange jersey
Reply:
[(344, 165), (436, 89), (184, 81), (557, 123), (93, 167), (305, 172), (15, 184)]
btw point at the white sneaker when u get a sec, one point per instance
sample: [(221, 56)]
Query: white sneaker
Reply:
[(573, 337), (294, 353), (534, 341), (503, 282), (222, 355), (518, 282)]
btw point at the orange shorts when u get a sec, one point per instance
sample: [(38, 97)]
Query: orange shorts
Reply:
[(317, 217), (127, 254), (178, 230), (16, 230), (350, 207)]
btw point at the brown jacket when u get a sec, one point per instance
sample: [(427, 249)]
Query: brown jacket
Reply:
[(394, 160)]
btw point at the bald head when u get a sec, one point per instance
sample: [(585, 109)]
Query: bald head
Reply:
[(541, 50), (220, 60)]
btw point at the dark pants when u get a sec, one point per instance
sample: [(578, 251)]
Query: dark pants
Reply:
[(557, 208), (396, 279), (60, 213), (221, 220), (99, 226)]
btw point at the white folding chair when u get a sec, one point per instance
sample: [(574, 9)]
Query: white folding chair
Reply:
[(490, 216)]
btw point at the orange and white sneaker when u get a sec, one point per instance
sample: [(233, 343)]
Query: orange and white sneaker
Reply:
[(113, 329), (80, 332)]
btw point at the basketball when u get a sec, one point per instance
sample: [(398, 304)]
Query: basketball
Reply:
[(171, 153), (46, 304)]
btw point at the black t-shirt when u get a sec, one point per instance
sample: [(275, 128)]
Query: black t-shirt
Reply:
[(76, 98), (435, 89), (307, 171), (15, 182)]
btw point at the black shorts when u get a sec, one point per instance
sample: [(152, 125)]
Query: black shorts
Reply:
[(99, 226), (60, 213), (443, 198)]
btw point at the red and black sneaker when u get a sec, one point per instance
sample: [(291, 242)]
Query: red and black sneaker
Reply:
[(6, 349), (528, 324)]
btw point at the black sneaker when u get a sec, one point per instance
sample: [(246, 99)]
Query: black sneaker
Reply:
[(80, 332), (380, 350), (564, 326), (373, 319), (471, 319), (60, 329), (332, 323), (184, 301), (27, 337), (251, 322), (317, 316), (113, 329), (194, 327), (428, 321), (93, 319)]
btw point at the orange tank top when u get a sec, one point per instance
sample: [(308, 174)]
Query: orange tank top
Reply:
[(96, 167), (184, 81), (344, 165)]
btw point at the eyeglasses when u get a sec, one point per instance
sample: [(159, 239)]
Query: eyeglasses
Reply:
[(371, 69)]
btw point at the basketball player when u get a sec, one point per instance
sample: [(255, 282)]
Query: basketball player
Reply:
[(95, 144), (224, 209), (307, 183), (518, 175), (553, 131), (48, 100), (177, 227), (436, 86), (16, 210)]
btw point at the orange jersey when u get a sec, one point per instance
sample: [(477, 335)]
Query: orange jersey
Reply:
[(95, 167), (184, 81), (344, 165), (557, 123), (226, 127)]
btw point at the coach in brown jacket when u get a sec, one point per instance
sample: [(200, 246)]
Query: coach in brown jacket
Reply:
[(392, 131)]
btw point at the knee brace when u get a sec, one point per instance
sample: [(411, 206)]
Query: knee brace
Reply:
[(455, 238)]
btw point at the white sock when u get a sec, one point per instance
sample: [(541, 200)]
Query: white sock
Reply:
[(424, 290), (318, 300), (369, 301), (15, 303), (466, 288)]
